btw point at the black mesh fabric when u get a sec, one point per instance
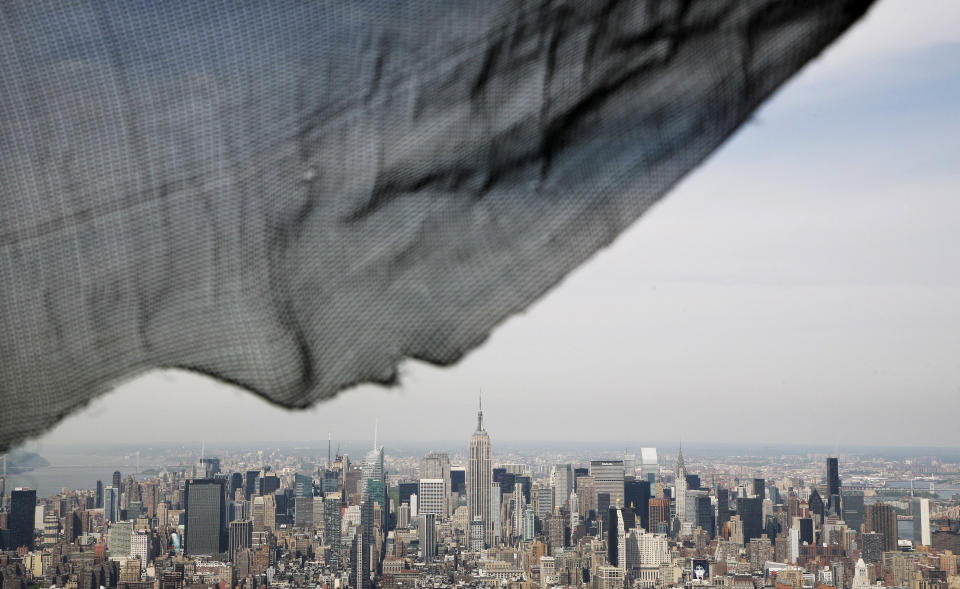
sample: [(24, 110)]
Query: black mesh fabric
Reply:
[(296, 196)]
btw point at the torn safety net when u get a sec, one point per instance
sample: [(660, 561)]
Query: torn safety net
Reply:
[(296, 196)]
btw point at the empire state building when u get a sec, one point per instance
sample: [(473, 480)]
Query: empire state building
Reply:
[(480, 477)]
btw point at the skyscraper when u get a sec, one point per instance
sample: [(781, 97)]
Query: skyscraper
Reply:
[(205, 517), (430, 498), (920, 510), (332, 519), (637, 493), (608, 485), (833, 477), (680, 482), (480, 476), (240, 536), (561, 479), (111, 504), (436, 465), (750, 510), (427, 535), (616, 538), (881, 518), (23, 503), (116, 479)]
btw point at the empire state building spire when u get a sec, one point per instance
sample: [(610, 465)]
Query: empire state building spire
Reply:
[(480, 416)]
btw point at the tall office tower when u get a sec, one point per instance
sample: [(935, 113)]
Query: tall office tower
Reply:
[(116, 480), (629, 465), (99, 495), (458, 479), (554, 527), (693, 482), (303, 512), (881, 518), (637, 498), (240, 537), (920, 510), (574, 503), (206, 511), (815, 503), (760, 488), (270, 512), (529, 520), (774, 493), (561, 479), (649, 463), (436, 465), (317, 512), (723, 506), (659, 514), (427, 536), (236, 482), (805, 525), (542, 500), (704, 515), (20, 522), (268, 483), (833, 482), (616, 538), (403, 516), (332, 523), (51, 528), (209, 467), (587, 496), (750, 510), (257, 511), (608, 481), (853, 510), (360, 559), (111, 504), (405, 489), (430, 497), (495, 529), (680, 485), (518, 508), (251, 483), (302, 485), (479, 476)]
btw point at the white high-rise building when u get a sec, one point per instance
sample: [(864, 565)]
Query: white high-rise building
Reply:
[(436, 465), (561, 479), (495, 532), (654, 549), (480, 477), (649, 463), (140, 547), (431, 497), (920, 510), (680, 485)]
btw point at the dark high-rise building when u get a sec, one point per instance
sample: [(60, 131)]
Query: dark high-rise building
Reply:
[(580, 472), (816, 506), (302, 485), (881, 518), (723, 506), (637, 495), (871, 547), (116, 479), (206, 515), (760, 488), (833, 483), (693, 482), (806, 530), (774, 493), (750, 510), (427, 534), (405, 489), (705, 518), (268, 484), (251, 483), (853, 513), (99, 502), (458, 479), (23, 503), (236, 482), (498, 473)]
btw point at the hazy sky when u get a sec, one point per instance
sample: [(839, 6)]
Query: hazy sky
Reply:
[(802, 286)]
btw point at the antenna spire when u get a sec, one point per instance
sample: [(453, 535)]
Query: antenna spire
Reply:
[(480, 413)]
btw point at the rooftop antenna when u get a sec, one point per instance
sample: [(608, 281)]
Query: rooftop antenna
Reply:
[(480, 412)]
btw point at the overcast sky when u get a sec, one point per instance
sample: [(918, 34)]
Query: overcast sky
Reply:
[(803, 286)]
